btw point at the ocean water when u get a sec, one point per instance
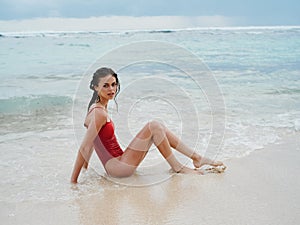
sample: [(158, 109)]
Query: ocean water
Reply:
[(44, 94)]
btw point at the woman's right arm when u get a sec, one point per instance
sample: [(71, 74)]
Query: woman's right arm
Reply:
[(78, 165), (98, 119)]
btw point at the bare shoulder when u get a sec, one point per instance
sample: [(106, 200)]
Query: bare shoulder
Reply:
[(96, 116)]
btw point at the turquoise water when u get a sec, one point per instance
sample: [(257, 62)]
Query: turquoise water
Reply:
[(256, 69)]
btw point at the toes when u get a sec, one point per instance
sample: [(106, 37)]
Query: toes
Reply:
[(217, 169), (217, 163)]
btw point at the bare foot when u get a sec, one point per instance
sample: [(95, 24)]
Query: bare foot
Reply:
[(199, 161), (215, 169), (187, 170)]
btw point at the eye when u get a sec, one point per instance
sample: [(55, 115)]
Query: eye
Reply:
[(105, 85), (113, 84)]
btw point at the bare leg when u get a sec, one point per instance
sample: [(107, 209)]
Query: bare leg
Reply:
[(198, 160), (155, 133)]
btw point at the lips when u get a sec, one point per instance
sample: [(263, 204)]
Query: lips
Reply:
[(111, 94)]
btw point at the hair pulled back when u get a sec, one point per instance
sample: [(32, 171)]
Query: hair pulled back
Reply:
[(100, 73)]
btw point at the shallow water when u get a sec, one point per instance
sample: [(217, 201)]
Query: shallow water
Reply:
[(42, 75)]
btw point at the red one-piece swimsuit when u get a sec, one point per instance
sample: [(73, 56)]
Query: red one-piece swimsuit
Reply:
[(105, 143)]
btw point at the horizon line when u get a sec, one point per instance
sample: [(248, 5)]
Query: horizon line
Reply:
[(124, 23), (250, 27)]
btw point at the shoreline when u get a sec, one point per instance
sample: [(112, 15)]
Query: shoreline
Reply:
[(261, 188), (43, 32)]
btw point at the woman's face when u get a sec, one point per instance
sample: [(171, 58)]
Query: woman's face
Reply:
[(107, 87)]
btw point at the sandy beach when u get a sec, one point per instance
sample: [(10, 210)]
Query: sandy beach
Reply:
[(261, 188)]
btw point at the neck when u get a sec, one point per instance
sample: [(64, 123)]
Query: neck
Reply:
[(103, 103)]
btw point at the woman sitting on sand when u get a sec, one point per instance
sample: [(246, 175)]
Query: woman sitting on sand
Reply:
[(100, 136)]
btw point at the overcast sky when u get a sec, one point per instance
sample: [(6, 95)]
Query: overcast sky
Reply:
[(205, 13)]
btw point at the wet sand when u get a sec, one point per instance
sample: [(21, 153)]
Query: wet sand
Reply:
[(261, 188)]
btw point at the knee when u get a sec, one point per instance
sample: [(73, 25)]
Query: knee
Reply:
[(158, 132), (156, 126)]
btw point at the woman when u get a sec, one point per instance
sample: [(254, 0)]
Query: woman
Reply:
[(100, 136)]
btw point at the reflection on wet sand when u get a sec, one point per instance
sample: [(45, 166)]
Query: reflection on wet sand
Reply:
[(132, 205)]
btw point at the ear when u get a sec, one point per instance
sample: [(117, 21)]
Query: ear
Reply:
[(96, 88)]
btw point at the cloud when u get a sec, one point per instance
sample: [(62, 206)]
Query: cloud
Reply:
[(256, 12), (114, 23), (20, 9)]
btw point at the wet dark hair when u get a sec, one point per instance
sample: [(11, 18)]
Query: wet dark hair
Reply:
[(100, 73)]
